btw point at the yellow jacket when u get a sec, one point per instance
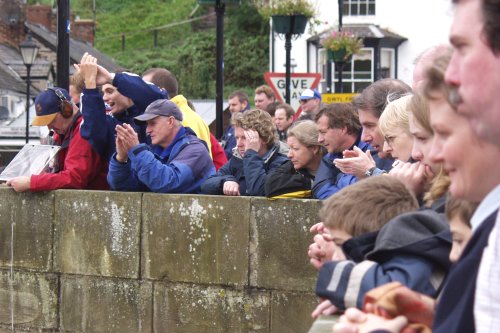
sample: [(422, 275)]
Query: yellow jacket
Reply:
[(193, 120)]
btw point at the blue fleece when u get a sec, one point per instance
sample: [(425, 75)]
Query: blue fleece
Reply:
[(180, 168)]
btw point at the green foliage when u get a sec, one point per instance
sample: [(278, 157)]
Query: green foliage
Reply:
[(184, 49)]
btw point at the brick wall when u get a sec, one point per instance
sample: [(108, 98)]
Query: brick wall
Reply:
[(42, 14), (92, 261), (83, 30)]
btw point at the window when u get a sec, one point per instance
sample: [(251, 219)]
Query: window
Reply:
[(358, 74), (386, 63), (359, 7)]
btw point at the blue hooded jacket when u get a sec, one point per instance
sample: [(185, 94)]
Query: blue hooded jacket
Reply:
[(249, 172), (180, 168)]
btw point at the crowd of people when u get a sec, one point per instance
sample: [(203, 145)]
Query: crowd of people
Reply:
[(408, 175)]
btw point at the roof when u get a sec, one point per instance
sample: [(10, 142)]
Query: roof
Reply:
[(76, 48), (10, 80), (12, 58), (368, 32)]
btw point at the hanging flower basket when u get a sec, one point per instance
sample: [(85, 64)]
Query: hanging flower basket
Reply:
[(339, 55), (341, 46), (289, 16), (293, 24)]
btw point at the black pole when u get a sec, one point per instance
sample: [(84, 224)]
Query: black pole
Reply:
[(28, 68), (219, 84), (63, 28), (328, 75), (123, 42), (339, 65), (288, 48)]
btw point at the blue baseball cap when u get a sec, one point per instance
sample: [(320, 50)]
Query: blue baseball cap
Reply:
[(47, 105), (309, 94)]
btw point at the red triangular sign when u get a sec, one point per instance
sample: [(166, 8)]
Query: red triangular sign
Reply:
[(298, 81)]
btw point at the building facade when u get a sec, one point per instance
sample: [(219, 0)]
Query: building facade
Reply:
[(394, 33)]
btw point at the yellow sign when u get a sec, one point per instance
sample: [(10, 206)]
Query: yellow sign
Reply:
[(337, 98)]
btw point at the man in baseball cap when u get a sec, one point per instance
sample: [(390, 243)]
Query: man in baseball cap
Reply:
[(78, 165), (51, 103), (310, 104), (176, 161)]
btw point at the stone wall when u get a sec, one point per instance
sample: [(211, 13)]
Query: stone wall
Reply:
[(91, 261)]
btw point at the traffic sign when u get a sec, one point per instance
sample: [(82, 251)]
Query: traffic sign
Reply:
[(298, 83), (337, 98)]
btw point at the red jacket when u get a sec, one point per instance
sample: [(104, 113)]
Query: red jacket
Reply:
[(80, 167), (218, 155)]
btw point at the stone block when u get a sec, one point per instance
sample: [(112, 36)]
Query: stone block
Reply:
[(90, 304), (28, 300), (186, 308), (200, 239), (97, 233), (279, 239), (291, 311), (26, 230)]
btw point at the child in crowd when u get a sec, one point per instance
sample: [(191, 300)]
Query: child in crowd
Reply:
[(379, 237), (459, 213)]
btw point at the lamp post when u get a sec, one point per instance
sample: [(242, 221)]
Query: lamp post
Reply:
[(29, 50), (289, 25), (220, 8)]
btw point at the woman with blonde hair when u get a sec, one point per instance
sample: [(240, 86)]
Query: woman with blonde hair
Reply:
[(294, 178), (394, 126)]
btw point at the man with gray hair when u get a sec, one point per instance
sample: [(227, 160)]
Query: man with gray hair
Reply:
[(175, 162)]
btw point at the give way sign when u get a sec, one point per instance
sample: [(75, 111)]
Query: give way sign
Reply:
[(298, 81)]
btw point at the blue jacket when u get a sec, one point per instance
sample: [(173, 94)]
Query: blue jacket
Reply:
[(412, 248), (329, 179), (180, 168), (455, 309), (249, 171), (98, 128)]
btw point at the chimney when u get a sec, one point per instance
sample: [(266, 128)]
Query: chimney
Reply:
[(41, 14), (83, 30), (11, 22)]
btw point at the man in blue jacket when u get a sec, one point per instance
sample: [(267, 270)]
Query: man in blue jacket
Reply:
[(175, 162), (339, 129), (126, 95)]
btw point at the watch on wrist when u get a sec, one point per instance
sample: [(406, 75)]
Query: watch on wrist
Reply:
[(369, 172)]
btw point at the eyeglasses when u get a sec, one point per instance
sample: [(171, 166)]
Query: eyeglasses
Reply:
[(304, 101)]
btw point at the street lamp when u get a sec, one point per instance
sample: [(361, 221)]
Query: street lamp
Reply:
[(29, 50), (220, 7)]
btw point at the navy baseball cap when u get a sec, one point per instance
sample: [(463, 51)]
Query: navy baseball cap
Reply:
[(47, 105), (160, 107), (309, 94)]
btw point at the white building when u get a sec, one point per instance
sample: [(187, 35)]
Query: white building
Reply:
[(395, 32)]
